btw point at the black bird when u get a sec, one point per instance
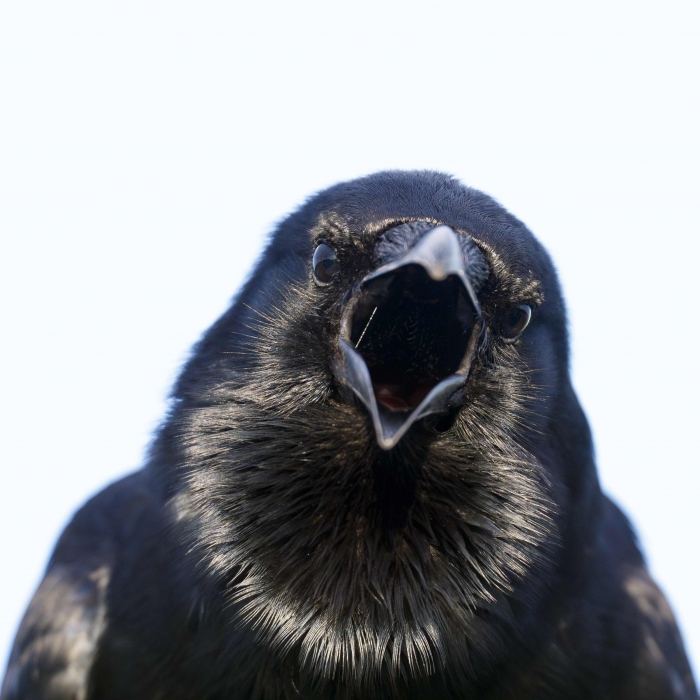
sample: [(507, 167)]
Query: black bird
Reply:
[(374, 481)]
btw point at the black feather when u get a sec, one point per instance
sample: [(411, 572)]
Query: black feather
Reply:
[(272, 549)]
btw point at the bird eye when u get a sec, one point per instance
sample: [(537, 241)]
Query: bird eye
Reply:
[(325, 264), (515, 322)]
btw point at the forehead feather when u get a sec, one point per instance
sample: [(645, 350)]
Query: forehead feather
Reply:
[(355, 213)]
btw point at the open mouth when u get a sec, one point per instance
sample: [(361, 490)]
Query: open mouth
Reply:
[(412, 332), (408, 336)]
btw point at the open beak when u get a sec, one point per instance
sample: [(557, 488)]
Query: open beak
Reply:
[(408, 336)]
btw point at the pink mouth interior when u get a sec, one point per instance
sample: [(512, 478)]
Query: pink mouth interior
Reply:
[(394, 396)]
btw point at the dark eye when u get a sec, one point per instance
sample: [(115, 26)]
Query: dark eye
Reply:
[(325, 264), (515, 322)]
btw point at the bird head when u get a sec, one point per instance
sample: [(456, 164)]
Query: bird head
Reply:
[(375, 445)]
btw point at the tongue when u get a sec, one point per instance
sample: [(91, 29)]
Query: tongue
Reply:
[(386, 394), (394, 396)]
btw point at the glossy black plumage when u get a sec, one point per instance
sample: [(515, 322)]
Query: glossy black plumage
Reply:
[(270, 548)]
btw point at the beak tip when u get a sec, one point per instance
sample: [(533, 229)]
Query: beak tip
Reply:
[(391, 426)]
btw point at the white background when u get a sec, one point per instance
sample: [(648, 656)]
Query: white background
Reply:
[(147, 147)]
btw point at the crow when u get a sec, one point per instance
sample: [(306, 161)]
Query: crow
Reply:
[(374, 481)]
